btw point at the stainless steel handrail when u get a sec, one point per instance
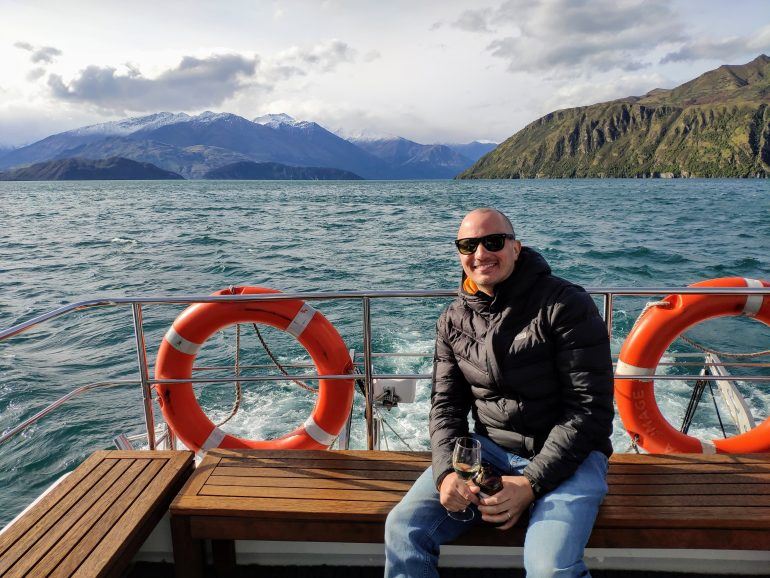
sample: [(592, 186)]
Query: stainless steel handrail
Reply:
[(136, 303), (75, 392), (321, 296)]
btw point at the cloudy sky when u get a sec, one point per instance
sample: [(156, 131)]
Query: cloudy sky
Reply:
[(431, 71)]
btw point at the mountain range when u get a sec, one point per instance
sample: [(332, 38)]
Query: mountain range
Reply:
[(192, 146), (717, 125)]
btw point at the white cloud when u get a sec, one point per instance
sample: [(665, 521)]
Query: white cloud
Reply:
[(39, 54), (585, 92), (325, 56), (474, 20), (576, 37), (195, 83), (722, 48), (35, 74)]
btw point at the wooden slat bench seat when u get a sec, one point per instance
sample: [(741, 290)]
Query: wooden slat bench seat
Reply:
[(655, 501), (93, 522)]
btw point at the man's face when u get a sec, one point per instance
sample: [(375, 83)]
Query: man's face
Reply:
[(483, 267)]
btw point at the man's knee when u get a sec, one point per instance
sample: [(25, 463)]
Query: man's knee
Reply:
[(550, 567)]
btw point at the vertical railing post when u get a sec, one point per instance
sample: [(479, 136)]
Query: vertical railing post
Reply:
[(368, 386), (141, 354), (608, 304)]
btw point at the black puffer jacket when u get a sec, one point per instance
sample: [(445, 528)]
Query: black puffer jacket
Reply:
[(533, 365)]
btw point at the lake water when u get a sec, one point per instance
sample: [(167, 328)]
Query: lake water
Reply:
[(66, 242)]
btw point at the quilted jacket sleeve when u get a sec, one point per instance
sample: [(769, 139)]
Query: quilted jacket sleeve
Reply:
[(451, 401), (585, 371)]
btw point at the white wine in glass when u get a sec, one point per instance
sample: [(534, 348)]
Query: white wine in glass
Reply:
[(466, 461)]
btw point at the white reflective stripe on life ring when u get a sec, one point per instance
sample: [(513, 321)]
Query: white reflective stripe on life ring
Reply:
[(215, 438), (753, 302), (181, 344), (624, 368), (301, 320), (316, 432), (708, 447)]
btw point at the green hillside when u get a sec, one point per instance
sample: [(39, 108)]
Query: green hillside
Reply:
[(717, 125)]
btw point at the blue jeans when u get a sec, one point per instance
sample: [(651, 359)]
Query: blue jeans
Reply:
[(560, 522)]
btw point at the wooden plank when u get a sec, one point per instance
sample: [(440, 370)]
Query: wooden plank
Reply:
[(632, 458), (327, 464), (702, 538), (279, 507), (665, 479), (304, 494), (684, 517), (69, 549), (83, 474), (141, 511), (226, 527), (316, 473), (687, 469), (686, 489), (736, 500), (344, 485), (26, 552)]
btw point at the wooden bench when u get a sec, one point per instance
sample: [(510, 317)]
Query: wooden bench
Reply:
[(93, 522), (655, 501)]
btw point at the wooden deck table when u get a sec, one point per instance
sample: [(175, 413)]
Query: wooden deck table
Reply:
[(655, 501)]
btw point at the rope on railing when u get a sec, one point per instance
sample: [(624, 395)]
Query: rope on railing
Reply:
[(238, 390), (302, 384), (735, 355)]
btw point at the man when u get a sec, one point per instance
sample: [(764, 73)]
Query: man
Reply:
[(528, 355)]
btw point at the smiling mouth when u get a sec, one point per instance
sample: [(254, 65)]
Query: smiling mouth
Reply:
[(484, 267)]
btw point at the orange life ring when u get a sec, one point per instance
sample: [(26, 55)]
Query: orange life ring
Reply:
[(655, 330), (313, 331)]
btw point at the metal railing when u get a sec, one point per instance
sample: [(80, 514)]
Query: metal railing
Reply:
[(136, 304)]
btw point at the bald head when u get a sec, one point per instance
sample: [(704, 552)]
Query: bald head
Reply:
[(487, 214)]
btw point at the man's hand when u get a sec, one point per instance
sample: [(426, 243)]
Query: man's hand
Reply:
[(507, 505), (456, 494)]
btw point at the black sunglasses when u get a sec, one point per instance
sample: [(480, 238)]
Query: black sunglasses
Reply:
[(492, 243)]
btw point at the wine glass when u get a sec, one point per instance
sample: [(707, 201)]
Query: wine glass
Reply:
[(466, 461)]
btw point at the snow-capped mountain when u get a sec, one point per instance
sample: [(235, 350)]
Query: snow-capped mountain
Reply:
[(363, 135), (274, 120), (194, 145), (127, 126)]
